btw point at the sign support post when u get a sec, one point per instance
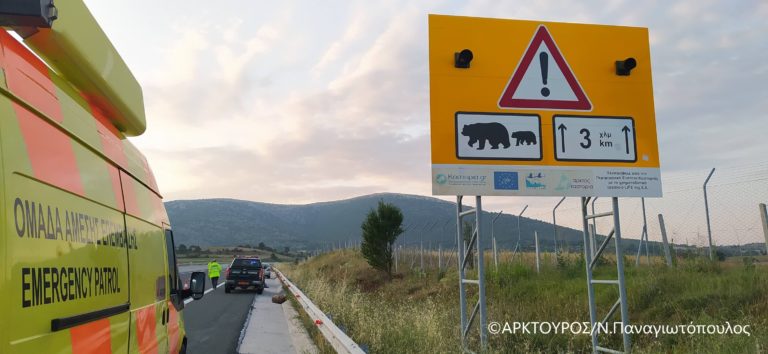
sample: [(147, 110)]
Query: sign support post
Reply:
[(463, 257), (591, 262)]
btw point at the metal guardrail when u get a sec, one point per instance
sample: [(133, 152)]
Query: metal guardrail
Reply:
[(339, 340)]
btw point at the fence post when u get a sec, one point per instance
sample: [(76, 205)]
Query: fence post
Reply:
[(706, 209), (495, 255), (493, 238), (665, 244), (395, 258), (439, 256), (421, 255), (764, 217), (517, 247), (554, 226), (536, 239)]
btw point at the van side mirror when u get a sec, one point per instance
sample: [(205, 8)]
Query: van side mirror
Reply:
[(197, 285)]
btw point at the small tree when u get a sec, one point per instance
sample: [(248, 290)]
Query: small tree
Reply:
[(380, 230), (262, 245), (182, 248)]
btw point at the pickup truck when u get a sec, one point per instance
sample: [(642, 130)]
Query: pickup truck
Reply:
[(245, 273)]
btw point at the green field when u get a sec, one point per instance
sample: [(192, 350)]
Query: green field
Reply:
[(417, 312), (226, 254)]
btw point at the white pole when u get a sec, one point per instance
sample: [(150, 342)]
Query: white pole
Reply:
[(518, 228), (493, 238), (764, 217), (667, 255), (536, 239), (495, 255), (706, 209), (421, 255), (395, 258), (440, 256)]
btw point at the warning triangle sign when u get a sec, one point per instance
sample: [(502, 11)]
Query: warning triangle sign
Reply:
[(544, 80)]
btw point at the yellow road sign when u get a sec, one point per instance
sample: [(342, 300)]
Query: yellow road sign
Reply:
[(541, 108)]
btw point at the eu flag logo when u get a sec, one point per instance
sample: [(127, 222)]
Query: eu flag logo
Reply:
[(505, 180)]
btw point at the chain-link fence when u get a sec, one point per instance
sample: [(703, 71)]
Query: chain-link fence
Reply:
[(733, 207), (734, 199)]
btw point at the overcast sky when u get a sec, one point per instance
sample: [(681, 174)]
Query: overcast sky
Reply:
[(304, 101)]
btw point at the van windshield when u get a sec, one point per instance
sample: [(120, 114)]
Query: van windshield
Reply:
[(246, 263)]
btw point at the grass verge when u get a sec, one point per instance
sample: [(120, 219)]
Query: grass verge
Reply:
[(417, 312)]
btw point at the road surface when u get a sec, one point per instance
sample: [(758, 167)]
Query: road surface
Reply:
[(274, 328), (214, 322)]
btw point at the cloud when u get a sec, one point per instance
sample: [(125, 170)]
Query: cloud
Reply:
[(323, 102)]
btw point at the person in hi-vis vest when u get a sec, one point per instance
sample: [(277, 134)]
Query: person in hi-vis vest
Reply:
[(214, 270)]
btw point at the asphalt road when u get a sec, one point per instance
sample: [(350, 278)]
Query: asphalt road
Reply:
[(214, 322)]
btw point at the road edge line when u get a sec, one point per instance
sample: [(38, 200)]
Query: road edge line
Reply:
[(187, 301)]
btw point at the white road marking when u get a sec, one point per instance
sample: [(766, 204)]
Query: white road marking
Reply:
[(207, 291)]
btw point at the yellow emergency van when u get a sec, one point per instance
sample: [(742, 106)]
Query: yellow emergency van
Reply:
[(87, 262)]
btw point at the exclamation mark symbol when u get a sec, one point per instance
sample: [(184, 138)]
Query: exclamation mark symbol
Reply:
[(544, 62)]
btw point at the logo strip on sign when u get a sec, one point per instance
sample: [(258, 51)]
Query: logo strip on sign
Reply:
[(534, 85)]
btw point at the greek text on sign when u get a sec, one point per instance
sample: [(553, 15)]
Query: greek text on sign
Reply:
[(543, 79), (498, 136), (579, 138)]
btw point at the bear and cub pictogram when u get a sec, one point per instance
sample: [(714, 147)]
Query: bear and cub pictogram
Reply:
[(496, 134)]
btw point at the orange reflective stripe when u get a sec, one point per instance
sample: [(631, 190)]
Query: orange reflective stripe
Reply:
[(173, 329), (29, 78), (129, 194), (92, 338), (146, 333), (50, 152)]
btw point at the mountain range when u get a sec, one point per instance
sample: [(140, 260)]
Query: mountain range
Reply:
[(230, 222)]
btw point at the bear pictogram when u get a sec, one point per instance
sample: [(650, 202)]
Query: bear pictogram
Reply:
[(495, 133), (524, 137)]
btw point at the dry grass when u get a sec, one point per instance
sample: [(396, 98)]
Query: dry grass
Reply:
[(417, 312)]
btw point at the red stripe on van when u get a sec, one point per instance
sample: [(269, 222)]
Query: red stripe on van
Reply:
[(129, 193), (92, 338), (173, 329), (146, 320), (28, 78), (50, 152)]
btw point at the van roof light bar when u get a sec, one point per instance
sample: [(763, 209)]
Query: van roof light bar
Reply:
[(27, 13)]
